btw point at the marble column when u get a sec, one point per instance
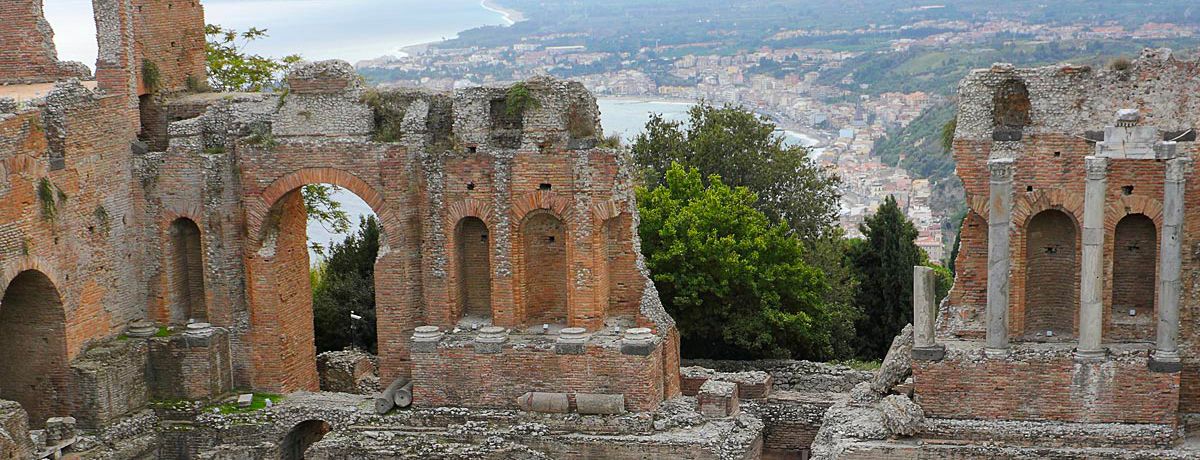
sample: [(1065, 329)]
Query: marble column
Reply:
[(1000, 204), (1091, 283), (1166, 353), (925, 346)]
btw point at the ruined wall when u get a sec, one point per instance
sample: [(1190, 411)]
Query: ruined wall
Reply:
[(1048, 120), (169, 43), (1047, 386), (28, 55)]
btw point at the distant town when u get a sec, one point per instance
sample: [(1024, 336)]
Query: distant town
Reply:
[(812, 90)]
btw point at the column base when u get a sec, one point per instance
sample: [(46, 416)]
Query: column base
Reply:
[(1091, 356), (933, 353), (996, 352), (1166, 362)]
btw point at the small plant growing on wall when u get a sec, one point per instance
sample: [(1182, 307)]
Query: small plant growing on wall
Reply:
[(151, 76), (102, 218), (389, 109), (50, 196), (519, 99)]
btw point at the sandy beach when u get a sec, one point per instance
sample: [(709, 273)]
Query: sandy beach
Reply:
[(510, 15)]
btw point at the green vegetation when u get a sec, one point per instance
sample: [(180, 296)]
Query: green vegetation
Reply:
[(151, 76), (258, 403), (389, 108), (163, 331), (519, 99), (735, 282), (746, 151), (860, 365), (345, 283), (883, 264), (231, 68), (50, 196)]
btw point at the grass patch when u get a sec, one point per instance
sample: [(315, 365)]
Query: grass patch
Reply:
[(258, 403), (859, 365), (389, 109), (163, 331)]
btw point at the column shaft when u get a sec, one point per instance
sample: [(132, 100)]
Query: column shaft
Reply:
[(1166, 354), (1091, 283), (1000, 205)]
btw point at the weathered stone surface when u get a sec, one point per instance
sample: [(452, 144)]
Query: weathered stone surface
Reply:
[(555, 403), (14, 432), (901, 416), (897, 365), (347, 371), (599, 404), (718, 399)]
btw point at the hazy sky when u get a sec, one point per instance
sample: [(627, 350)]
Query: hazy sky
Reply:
[(317, 29)]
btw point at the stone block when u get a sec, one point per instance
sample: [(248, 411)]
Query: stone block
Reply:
[(571, 341), (245, 400), (552, 403), (599, 404), (718, 399), (59, 429), (345, 371)]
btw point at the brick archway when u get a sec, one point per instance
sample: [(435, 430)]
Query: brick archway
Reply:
[(282, 344), (1026, 208), (33, 346), (472, 258)]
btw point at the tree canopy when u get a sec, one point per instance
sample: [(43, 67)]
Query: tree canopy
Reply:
[(736, 283), (883, 264), (746, 151), (345, 283)]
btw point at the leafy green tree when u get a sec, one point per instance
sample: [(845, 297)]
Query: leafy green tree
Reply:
[(746, 151), (884, 264), (345, 283), (231, 68), (736, 283)]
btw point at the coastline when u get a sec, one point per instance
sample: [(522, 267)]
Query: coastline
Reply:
[(510, 15)]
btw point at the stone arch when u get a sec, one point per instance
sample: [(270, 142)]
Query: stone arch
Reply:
[(1134, 269), (1011, 105), (33, 346), (301, 437), (258, 212), (1051, 259), (282, 344), (186, 294), (473, 269), (541, 200), (543, 256)]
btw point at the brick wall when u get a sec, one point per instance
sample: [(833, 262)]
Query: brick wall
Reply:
[(1051, 274), (28, 54), (1046, 385), (456, 375), (169, 34), (543, 255), (1135, 250)]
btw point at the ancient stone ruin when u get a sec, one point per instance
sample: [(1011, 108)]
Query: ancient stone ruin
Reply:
[(156, 300)]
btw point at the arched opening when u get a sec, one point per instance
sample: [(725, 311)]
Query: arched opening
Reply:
[(620, 261), (1051, 276), (474, 270), (545, 267), (1011, 105), (313, 280), (33, 347), (301, 437), (186, 259), (1135, 263)]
